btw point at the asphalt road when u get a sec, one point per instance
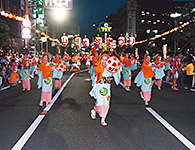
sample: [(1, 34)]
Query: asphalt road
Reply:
[(68, 126)]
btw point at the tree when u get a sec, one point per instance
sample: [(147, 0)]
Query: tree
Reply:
[(4, 32), (187, 33)]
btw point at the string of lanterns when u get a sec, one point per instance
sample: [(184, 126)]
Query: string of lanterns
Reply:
[(137, 42), (10, 15), (168, 32), (48, 37), (15, 17)]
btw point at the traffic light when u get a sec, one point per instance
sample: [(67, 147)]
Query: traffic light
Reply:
[(26, 31)]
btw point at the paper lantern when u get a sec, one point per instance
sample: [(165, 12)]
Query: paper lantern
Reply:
[(10, 16), (6, 15), (14, 17), (98, 41), (86, 42), (121, 40), (3, 13), (78, 41)]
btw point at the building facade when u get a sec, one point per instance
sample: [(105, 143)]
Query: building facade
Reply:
[(15, 41), (128, 18)]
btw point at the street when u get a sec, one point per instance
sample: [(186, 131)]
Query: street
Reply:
[(68, 126)]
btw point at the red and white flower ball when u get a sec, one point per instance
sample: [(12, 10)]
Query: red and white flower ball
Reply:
[(61, 66), (32, 61), (113, 64)]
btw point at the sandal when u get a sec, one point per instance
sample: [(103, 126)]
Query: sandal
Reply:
[(41, 103), (93, 116), (104, 124), (47, 103)]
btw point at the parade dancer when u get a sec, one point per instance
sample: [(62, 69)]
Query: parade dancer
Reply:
[(25, 74), (67, 58), (101, 90), (75, 64), (168, 69), (79, 60), (87, 63), (158, 71), (176, 71), (144, 79), (45, 80), (126, 71), (57, 75), (134, 62), (92, 68), (32, 63)]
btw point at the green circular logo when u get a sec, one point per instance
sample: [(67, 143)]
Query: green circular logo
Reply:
[(47, 81), (147, 81), (24, 73), (103, 91)]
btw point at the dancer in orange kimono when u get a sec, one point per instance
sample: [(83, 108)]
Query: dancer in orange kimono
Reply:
[(25, 74), (144, 79), (45, 80), (101, 90)]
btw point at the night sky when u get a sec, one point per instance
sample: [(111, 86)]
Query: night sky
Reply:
[(88, 12)]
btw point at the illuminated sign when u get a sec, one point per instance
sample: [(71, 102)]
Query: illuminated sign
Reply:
[(53, 4), (105, 27)]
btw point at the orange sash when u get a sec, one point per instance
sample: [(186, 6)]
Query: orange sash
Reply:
[(24, 63), (147, 71), (46, 70), (127, 62)]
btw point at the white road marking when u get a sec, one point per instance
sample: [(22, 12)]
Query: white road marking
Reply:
[(192, 90), (88, 79), (25, 137), (28, 133), (168, 82), (4, 88), (178, 135), (122, 85), (84, 70), (58, 94)]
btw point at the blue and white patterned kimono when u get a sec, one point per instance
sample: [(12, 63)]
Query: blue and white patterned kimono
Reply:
[(101, 92), (145, 83), (92, 73), (25, 74), (32, 68), (126, 71), (159, 73), (56, 74), (46, 83), (134, 65)]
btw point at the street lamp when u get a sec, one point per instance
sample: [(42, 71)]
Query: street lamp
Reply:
[(59, 14)]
